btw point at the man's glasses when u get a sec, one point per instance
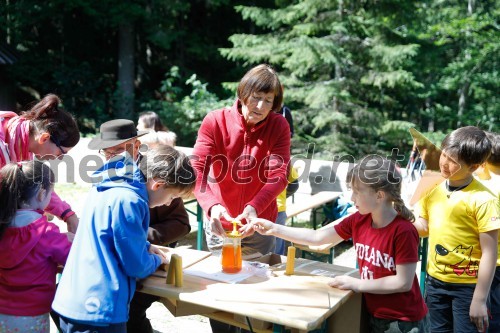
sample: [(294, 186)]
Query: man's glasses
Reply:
[(56, 141), (107, 153)]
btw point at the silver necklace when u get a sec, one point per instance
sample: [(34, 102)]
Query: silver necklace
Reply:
[(457, 189)]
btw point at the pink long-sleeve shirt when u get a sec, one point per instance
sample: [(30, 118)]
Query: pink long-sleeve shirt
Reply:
[(28, 266)]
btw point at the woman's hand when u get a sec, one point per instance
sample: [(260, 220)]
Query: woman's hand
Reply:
[(345, 283), (249, 213), (216, 213), (72, 222)]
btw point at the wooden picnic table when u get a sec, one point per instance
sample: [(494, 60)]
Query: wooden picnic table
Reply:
[(302, 302), (314, 201)]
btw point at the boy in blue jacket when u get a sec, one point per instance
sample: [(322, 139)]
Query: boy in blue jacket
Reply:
[(110, 250)]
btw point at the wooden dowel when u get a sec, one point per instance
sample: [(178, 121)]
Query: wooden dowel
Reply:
[(178, 270), (290, 260)]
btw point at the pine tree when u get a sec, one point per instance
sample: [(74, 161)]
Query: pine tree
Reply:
[(343, 64)]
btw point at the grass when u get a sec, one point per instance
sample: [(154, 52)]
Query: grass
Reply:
[(71, 192)]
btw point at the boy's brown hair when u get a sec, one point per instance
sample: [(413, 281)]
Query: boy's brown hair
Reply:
[(470, 145), (170, 165)]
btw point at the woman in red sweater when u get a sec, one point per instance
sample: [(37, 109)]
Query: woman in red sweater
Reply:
[(241, 157)]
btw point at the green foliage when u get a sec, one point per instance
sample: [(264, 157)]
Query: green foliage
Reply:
[(359, 74), (70, 48), (465, 39), (345, 72), (395, 134), (356, 73), (435, 137), (183, 114)]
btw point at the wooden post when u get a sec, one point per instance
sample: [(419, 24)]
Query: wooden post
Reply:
[(290, 261)]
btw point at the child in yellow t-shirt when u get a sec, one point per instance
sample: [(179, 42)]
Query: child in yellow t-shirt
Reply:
[(461, 218)]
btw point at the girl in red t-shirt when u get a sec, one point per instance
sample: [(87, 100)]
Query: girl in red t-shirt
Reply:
[(386, 244)]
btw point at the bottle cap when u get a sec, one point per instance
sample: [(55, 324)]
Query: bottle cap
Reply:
[(235, 232)]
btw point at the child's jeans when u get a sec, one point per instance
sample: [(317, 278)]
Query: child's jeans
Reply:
[(32, 324), (70, 326), (449, 305), (378, 325)]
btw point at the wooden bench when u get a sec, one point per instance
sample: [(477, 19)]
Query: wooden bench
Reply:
[(316, 251), (313, 202)]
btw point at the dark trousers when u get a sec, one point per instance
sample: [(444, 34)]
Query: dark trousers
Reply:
[(137, 321), (495, 302), (449, 305), (70, 326), (378, 325), (55, 318)]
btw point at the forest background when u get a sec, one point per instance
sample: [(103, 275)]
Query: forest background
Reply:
[(357, 74)]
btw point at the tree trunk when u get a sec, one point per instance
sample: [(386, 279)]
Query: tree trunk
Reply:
[(470, 6), (338, 69), (462, 101), (126, 72), (430, 125), (464, 90)]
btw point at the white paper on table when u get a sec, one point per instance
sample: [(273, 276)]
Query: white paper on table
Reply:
[(211, 269)]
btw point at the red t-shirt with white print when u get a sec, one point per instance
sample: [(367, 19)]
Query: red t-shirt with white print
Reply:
[(378, 252)]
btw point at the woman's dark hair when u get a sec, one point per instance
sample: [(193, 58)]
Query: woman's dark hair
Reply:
[(152, 121), (171, 166), (48, 116), (381, 174), (261, 78), (19, 182)]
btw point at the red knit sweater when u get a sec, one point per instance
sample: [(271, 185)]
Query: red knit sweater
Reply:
[(237, 166)]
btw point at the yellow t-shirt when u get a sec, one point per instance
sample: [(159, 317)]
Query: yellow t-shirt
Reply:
[(281, 199), (454, 226)]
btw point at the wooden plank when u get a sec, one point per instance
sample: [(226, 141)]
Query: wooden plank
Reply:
[(429, 180), (284, 307), (284, 294), (314, 201), (189, 258), (286, 290)]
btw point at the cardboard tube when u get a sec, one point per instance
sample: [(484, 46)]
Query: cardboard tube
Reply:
[(178, 270), (290, 260)]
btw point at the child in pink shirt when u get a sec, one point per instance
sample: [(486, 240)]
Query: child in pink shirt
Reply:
[(35, 248)]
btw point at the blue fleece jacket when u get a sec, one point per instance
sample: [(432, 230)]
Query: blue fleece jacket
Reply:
[(110, 250)]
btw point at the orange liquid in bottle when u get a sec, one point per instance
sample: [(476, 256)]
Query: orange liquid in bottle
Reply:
[(231, 258)]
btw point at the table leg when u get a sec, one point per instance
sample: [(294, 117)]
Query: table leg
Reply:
[(199, 218)]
